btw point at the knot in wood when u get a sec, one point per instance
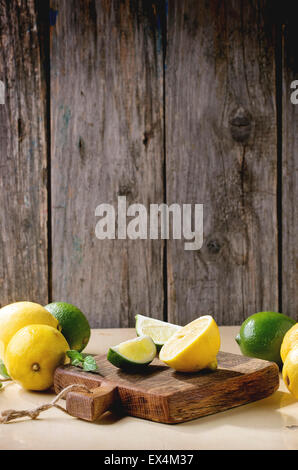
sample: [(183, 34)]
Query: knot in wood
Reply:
[(213, 247), (125, 190), (240, 123)]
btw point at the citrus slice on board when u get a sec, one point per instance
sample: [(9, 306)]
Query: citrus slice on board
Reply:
[(159, 331), (193, 347), (134, 354)]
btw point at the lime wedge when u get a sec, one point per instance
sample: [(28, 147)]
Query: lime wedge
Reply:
[(133, 354), (159, 331)]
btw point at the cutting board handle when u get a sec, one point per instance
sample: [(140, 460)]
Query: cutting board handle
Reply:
[(91, 405)]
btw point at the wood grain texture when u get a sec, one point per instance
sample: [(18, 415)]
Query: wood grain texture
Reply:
[(107, 141), (289, 253), (163, 395), (23, 155), (90, 406), (221, 152), (107, 122)]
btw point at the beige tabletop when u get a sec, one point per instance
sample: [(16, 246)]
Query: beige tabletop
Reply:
[(271, 423)]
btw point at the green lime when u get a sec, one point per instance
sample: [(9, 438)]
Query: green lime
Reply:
[(261, 335), (74, 324), (159, 331), (134, 354)]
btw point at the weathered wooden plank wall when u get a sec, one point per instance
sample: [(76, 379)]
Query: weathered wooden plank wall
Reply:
[(177, 101), (221, 151), (107, 141), (289, 179), (23, 155)]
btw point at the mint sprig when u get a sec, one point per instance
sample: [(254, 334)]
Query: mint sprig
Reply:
[(83, 361), (89, 364), (75, 355), (3, 370)]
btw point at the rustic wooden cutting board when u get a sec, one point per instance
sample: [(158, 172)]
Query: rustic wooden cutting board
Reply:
[(161, 394)]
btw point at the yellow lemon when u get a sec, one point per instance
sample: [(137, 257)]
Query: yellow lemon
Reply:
[(193, 347), (15, 316), (290, 371), (289, 341), (33, 354)]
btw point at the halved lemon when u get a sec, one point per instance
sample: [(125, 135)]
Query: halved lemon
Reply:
[(133, 354), (193, 347), (159, 331)]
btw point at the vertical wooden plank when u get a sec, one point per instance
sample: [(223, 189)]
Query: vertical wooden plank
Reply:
[(23, 155), (290, 172), (221, 152), (107, 141)]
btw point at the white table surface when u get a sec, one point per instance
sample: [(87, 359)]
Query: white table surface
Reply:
[(271, 423)]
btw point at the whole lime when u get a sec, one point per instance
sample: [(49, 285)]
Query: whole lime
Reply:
[(261, 335), (74, 324)]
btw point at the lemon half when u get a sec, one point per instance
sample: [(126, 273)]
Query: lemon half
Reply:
[(193, 347)]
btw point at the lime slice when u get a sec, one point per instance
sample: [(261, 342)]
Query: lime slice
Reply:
[(133, 354), (159, 331)]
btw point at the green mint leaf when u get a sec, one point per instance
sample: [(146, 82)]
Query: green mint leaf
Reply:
[(76, 363), (3, 370), (89, 364), (75, 355), (84, 355)]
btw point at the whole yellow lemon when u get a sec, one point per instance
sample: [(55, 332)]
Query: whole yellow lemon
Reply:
[(15, 316), (289, 341), (290, 371), (33, 354)]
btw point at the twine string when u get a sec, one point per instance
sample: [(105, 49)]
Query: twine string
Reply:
[(10, 415)]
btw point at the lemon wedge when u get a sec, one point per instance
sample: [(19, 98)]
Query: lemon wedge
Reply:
[(193, 347)]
